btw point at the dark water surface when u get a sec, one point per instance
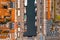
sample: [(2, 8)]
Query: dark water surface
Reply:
[(31, 29)]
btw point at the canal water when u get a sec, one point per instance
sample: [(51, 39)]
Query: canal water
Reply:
[(31, 29)]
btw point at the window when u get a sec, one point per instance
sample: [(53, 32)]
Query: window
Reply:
[(12, 4), (5, 6)]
